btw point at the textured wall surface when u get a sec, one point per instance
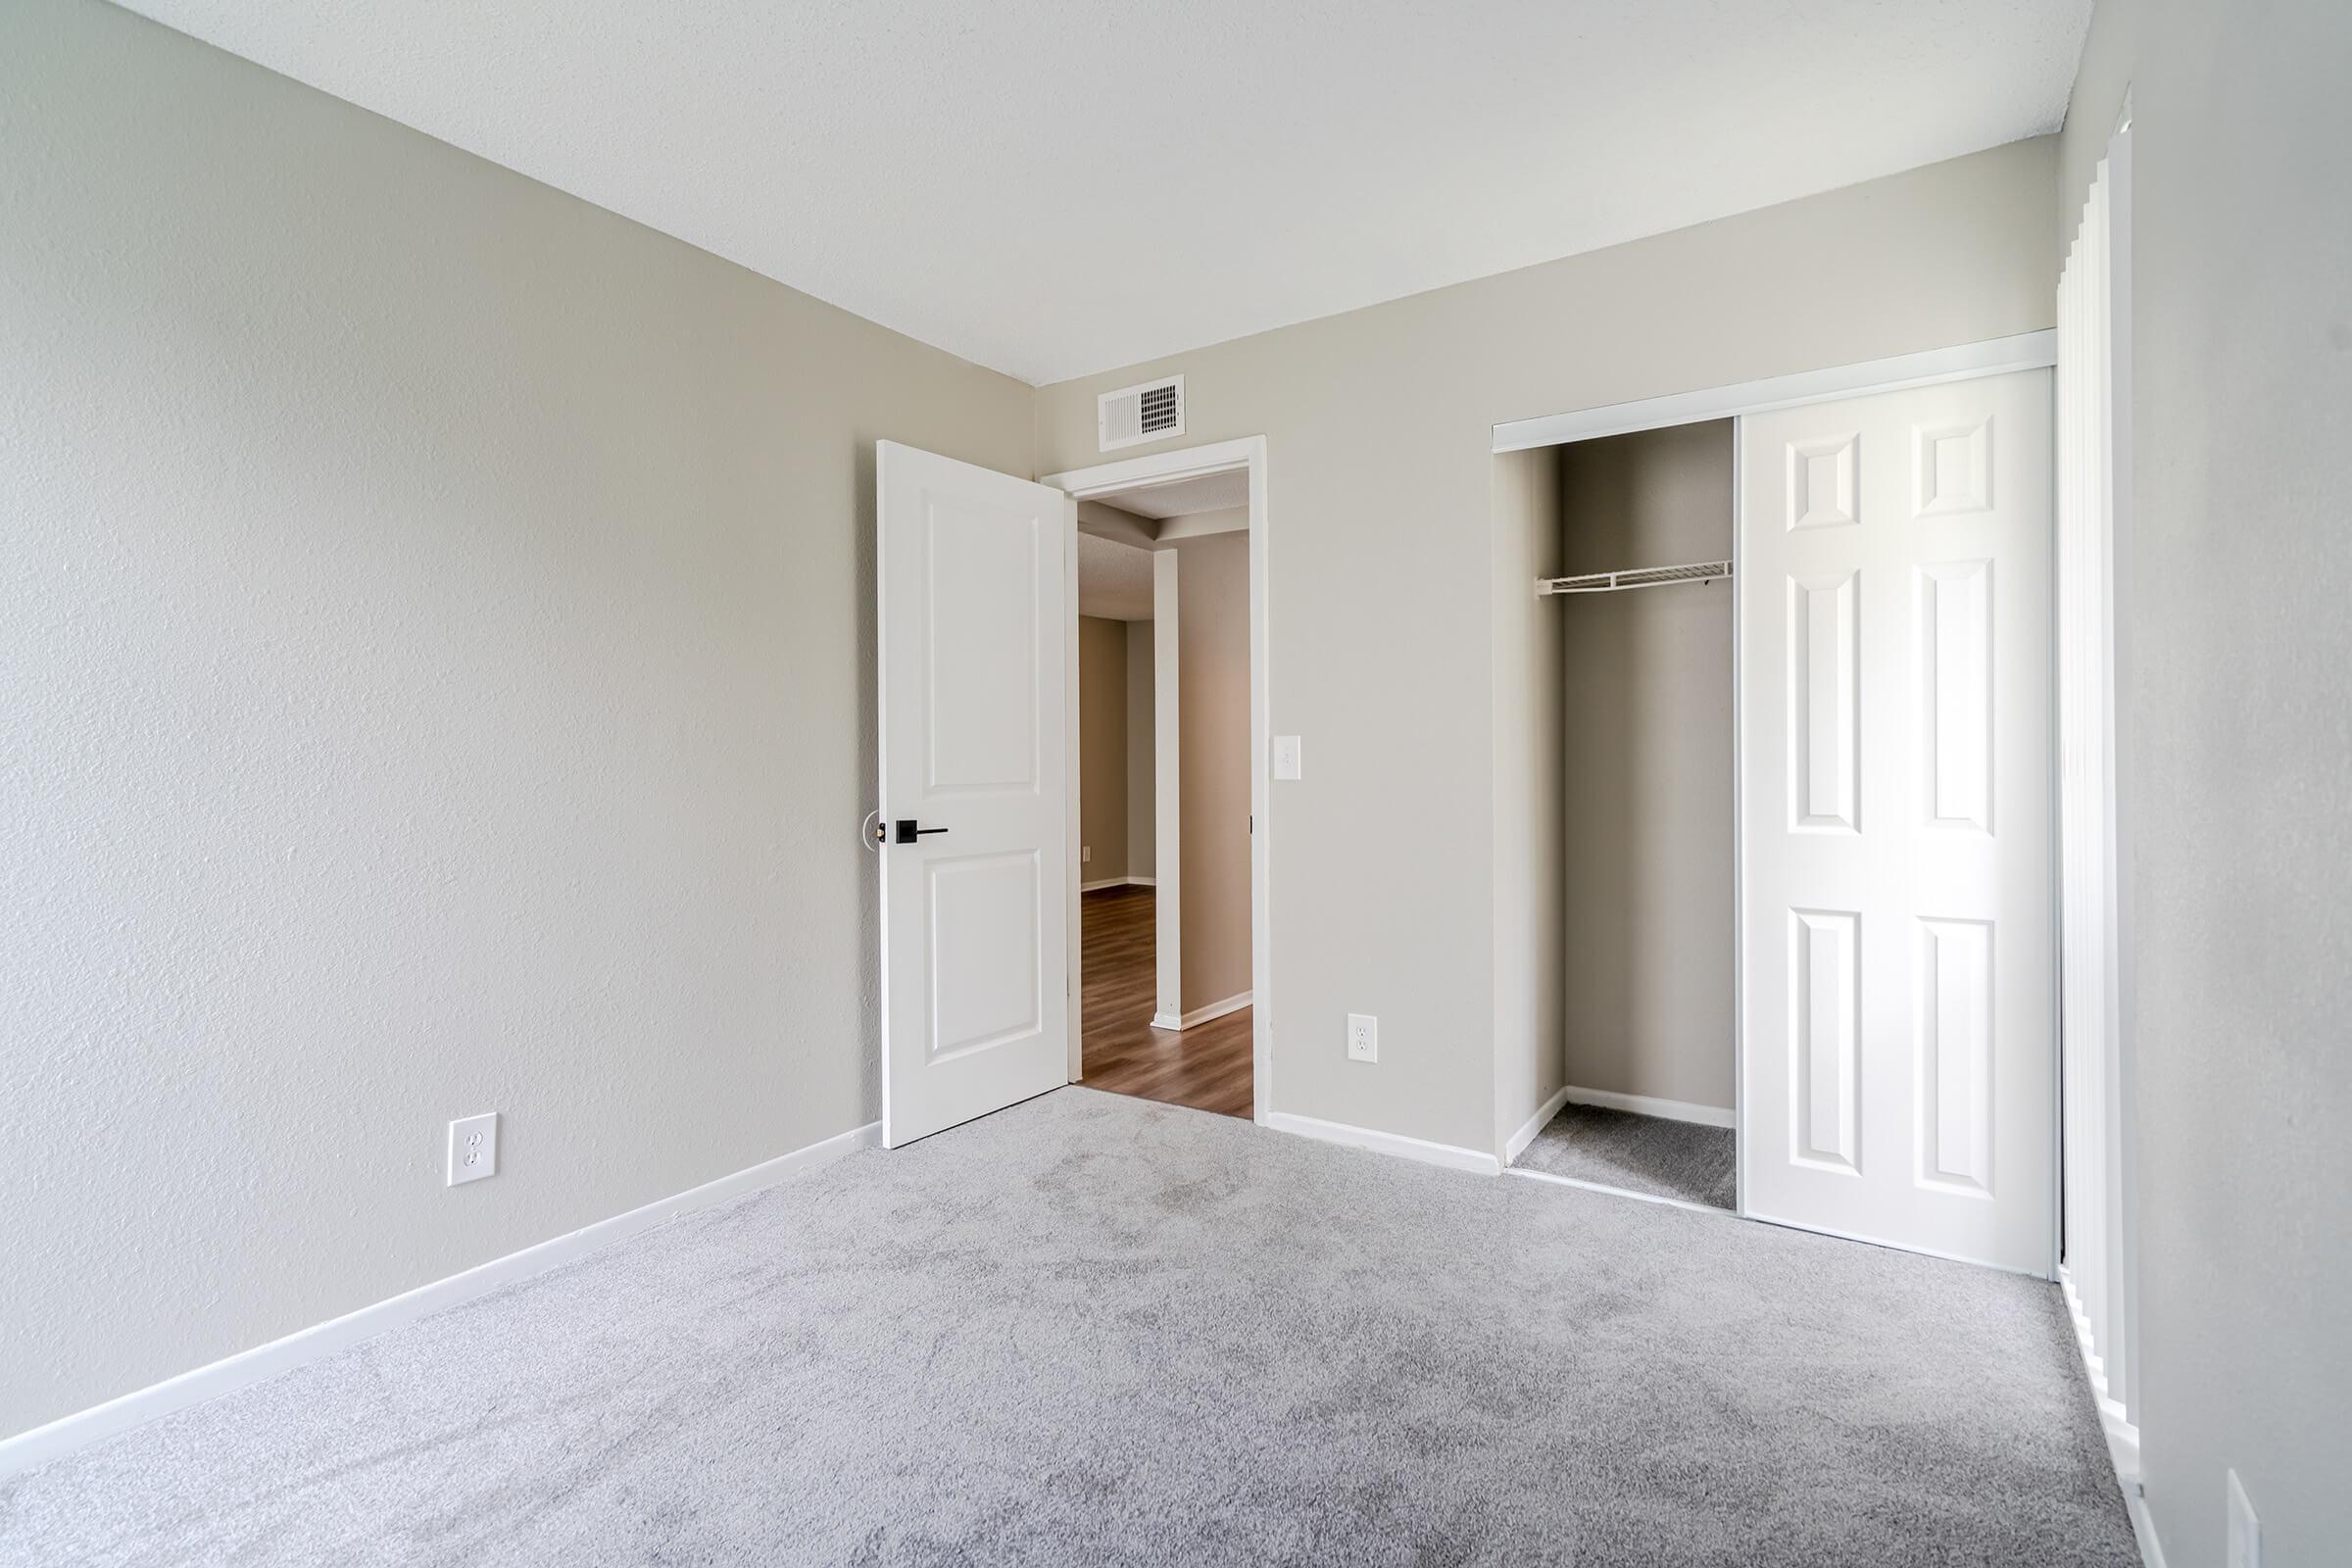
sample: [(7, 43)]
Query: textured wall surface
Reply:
[(437, 654), (2241, 749), (1379, 427)]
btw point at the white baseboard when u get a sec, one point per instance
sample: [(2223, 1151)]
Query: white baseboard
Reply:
[(1534, 1124), (1645, 1105), (1116, 882), (1449, 1156), (1143, 881), (1215, 1009), (68, 1433)]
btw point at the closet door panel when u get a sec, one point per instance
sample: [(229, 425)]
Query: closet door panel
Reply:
[(1953, 620), (1824, 786), (1896, 841)]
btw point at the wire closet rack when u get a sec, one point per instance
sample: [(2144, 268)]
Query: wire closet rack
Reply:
[(1609, 583)]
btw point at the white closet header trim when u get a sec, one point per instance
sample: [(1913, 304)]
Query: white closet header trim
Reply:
[(2026, 351)]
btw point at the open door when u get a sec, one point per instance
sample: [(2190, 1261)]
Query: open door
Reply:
[(1898, 950), (974, 572)]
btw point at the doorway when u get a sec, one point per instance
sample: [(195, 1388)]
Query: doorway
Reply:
[(1169, 821)]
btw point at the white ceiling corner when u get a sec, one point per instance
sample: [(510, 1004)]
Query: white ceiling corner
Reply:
[(1050, 187)]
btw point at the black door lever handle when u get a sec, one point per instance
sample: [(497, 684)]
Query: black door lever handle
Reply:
[(907, 832)]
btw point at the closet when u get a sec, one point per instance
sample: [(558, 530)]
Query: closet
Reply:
[(1643, 608), (1800, 805)]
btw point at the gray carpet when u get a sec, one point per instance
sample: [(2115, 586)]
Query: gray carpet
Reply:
[(1640, 1154), (1099, 1330)]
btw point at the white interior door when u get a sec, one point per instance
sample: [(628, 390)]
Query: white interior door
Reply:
[(1896, 942), (975, 572)]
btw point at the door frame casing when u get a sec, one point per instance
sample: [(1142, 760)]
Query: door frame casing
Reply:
[(1962, 362), (1099, 481)]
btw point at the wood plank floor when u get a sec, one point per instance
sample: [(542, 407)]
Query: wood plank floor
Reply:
[(1205, 1067)]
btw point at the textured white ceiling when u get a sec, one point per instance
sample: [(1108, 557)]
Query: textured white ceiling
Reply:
[(1052, 188), (1114, 581), (1213, 492)]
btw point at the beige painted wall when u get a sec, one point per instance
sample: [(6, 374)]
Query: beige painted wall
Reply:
[(1530, 935), (1141, 783), (1102, 731), (1382, 560), (439, 666), (1212, 761), (1649, 766), (2239, 751)]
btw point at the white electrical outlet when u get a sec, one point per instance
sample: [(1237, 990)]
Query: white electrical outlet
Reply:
[(1363, 1037), (1085, 854), (473, 1149), (2245, 1530)]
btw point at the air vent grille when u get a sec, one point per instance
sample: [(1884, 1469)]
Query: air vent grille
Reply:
[(1160, 410), (1150, 411)]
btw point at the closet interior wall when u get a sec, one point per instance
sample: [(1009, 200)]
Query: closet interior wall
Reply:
[(1647, 783), (1530, 892)]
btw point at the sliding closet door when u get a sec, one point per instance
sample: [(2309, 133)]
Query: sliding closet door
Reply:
[(1896, 937)]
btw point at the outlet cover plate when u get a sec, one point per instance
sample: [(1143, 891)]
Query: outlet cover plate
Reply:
[(1286, 757), (1363, 1037), (473, 1149)]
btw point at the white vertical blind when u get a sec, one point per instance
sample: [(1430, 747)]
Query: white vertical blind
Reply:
[(2092, 420)]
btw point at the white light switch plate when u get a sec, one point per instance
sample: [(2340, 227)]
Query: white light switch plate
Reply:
[(473, 1149), (1363, 1037), (1286, 757), (2245, 1530)]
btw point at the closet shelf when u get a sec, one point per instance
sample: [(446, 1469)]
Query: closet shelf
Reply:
[(1609, 583)]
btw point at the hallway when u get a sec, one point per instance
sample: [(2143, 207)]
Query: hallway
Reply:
[(1205, 1067)]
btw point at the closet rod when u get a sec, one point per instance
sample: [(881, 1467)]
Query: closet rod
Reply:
[(1609, 583)]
